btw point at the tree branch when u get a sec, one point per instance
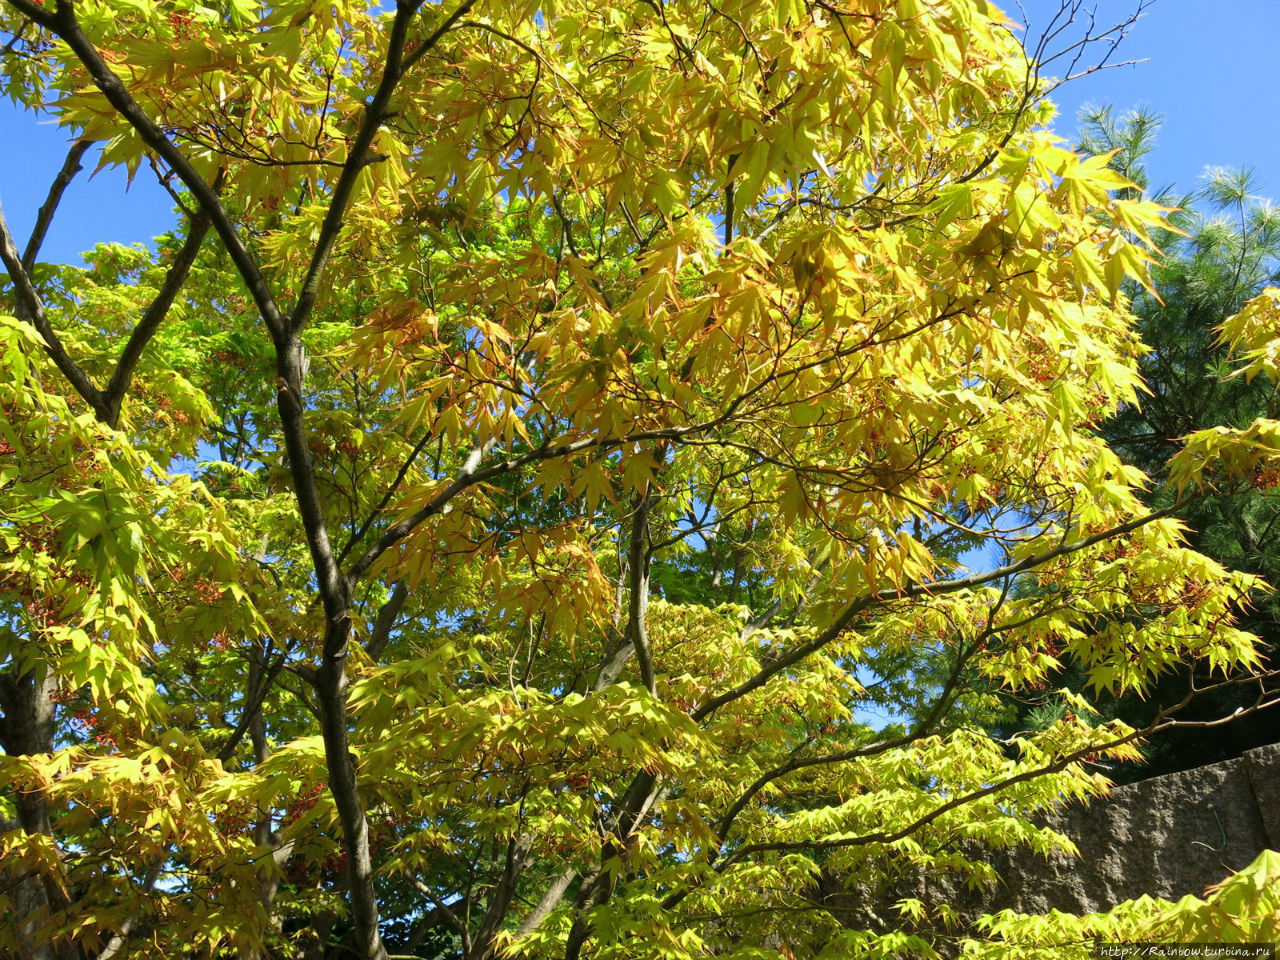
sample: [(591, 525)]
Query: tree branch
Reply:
[(550, 900), (30, 308), (922, 729), (386, 620), (70, 167), (63, 23), (386, 497), (1163, 721), (638, 557), (375, 113), (436, 35), (1160, 723), (252, 707), (150, 322), (910, 591), (121, 936), (106, 404)]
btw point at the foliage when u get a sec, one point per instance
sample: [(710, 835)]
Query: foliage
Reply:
[(494, 521), (1244, 908), (1219, 252)]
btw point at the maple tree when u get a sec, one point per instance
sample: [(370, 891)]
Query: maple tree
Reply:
[(1219, 251), (1225, 256), (494, 521)]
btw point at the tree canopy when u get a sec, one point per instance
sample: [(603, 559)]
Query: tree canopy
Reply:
[(523, 509), (1218, 251)]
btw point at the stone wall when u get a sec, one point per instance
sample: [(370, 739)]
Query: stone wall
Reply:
[(1165, 837)]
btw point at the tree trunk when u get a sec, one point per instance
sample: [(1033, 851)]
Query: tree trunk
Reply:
[(28, 729)]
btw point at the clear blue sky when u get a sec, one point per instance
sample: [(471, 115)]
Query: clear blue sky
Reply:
[(1208, 70), (93, 210)]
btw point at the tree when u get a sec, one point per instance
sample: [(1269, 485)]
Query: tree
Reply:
[(1219, 252), (488, 523)]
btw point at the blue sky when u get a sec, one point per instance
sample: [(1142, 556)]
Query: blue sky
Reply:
[(1207, 70), (93, 210)]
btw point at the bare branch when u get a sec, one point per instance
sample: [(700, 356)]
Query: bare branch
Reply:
[(70, 167)]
